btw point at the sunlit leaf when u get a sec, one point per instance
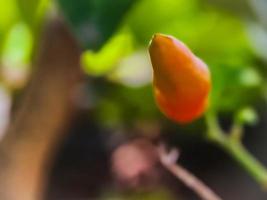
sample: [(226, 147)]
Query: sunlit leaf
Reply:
[(133, 71), (17, 47), (234, 87), (249, 77), (17, 55), (147, 18), (103, 61), (247, 115), (32, 10), (8, 10), (8, 16)]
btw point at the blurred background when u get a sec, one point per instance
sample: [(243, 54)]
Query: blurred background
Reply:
[(113, 100)]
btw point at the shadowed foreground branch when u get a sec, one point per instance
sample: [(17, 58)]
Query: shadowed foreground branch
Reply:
[(41, 118), (168, 160)]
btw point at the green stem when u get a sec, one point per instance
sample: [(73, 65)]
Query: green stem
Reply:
[(235, 148), (247, 161)]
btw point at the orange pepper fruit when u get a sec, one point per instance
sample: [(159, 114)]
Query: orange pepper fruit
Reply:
[(181, 80)]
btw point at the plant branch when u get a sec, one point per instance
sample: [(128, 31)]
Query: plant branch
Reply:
[(231, 143), (44, 113), (169, 162)]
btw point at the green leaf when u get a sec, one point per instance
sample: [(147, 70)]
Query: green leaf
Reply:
[(94, 21), (133, 71), (234, 87), (105, 60), (8, 10), (32, 10), (247, 115), (249, 77), (148, 17), (8, 17), (17, 47)]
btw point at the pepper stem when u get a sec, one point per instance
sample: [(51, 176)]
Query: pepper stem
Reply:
[(234, 147)]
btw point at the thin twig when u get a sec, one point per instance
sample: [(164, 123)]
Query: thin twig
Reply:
[(168, 160)]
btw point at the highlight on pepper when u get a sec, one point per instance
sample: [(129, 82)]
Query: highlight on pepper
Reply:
[(181, 81)]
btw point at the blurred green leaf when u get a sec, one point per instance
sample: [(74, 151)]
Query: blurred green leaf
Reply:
[(234, 87), (134, 70), (249, 77), (32, 10), (103, 61), (236, 7), (147, 18), (93, 22), (8, 10), (8, 17), (17, 47), (247, 115), (213, 35)]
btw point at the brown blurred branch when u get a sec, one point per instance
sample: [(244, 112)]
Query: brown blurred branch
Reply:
[(168, 160), (44, 113)]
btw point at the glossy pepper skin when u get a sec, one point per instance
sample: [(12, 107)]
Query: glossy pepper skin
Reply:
[(181, 80)]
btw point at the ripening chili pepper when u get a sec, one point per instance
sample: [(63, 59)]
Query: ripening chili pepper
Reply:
[(181, 80)]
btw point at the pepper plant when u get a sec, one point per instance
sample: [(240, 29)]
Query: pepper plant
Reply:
[(181, 87), (44, 43)]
